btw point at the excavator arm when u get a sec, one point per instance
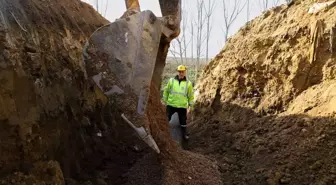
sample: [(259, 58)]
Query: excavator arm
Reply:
[(122, 58), (132, 4), (171, 12), (168, 7)]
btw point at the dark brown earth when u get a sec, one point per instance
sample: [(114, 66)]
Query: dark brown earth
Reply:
[(51, 115), (266, 107), (180, 167), (265, 113), (256, 150), (49, 111)]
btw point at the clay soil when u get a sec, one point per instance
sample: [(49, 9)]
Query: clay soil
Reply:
[(56, 126), (265, 113), (265, 109)]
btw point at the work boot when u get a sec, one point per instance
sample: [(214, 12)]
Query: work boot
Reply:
[(185, 141), (185, 133)]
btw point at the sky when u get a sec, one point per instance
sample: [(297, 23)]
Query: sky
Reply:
[(114, 10)]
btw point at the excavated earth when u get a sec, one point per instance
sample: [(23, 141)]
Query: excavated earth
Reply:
[(266, 104), (56, 126)]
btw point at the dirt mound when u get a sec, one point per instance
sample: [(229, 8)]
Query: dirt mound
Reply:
[(255, 150), (265, 107), (286, 52), (49, 111), (180, 167), (56, 126)]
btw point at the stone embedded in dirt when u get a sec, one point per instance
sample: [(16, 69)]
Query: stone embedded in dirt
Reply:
[(260, 170), (285, 180), (316, 165)]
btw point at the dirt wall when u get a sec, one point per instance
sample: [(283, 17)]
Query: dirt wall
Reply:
[(272, 60), (56, 126), (265, 108), (49, 111)]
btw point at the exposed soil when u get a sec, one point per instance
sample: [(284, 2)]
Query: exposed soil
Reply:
[(180, 167), (266, 103), (173, 166), (266, 113), (255, 150), (56, 126), (49, 111), (277, 63)]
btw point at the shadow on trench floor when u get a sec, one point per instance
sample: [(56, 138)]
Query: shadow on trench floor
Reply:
[(252, 149)]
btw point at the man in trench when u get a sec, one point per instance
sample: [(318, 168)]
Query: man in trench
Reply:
[(178, 95)]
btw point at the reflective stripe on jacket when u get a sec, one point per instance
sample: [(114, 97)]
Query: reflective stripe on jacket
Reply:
[(178, 94)]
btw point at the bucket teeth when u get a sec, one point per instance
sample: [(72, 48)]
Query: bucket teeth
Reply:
[(146, 137)]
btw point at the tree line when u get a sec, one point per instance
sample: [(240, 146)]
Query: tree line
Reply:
[(192, 45)]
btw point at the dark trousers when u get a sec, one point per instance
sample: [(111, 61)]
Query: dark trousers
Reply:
[(182, 113)]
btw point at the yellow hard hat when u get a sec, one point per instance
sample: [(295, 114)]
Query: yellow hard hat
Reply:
[(181, 68)]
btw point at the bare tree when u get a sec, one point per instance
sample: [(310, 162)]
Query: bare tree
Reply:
[(275, 2), (230, 13), (106, 6), (184, 37), (265, 4), (192, 41), (178, 40), (97, 5), (209, 10), (100, 4), (248, 11), (176, 51), (200, 23), (180, 45), (184, 27)]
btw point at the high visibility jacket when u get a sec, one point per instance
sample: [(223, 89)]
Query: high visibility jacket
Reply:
[(178, 94)]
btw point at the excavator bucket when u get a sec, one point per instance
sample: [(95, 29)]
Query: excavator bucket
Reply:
[(120, 58)]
